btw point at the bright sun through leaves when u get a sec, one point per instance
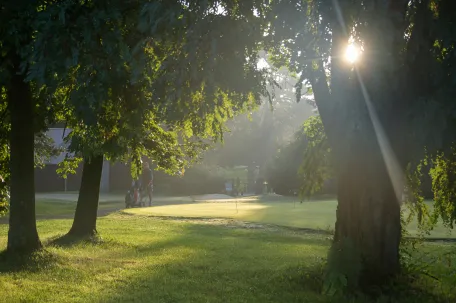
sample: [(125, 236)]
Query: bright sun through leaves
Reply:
[(352, 53)]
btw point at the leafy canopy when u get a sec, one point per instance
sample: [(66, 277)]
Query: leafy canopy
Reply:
[(149, 78)]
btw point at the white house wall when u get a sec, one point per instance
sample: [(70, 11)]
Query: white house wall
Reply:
[(57, 134)]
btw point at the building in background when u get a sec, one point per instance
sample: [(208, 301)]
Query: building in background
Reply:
[(47, 179)]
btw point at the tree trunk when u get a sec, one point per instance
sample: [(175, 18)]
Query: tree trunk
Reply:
[(22, 234), (85, 218), (368, 212), (368, 217)]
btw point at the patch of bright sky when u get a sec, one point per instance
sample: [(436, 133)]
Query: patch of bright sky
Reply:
[(220, 10), (262, 63)]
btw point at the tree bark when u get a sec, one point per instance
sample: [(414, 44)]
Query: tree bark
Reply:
[(22, 234), (368, 211), (368, 215), (85, 218)]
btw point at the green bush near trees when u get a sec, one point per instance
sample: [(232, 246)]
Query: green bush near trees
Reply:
[(282, 172), (303, 166)]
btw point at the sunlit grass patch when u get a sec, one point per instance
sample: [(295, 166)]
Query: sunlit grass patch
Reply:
[(319, 214)]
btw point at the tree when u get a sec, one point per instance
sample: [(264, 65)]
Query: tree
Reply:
[(26, 111), (154, 86), (108, 115), (44, 150), (366, 109)]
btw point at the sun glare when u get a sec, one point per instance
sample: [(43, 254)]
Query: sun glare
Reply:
[(352, 53)]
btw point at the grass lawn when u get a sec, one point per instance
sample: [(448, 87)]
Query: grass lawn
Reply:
[(55, 208), (63, 205), (145, 259), (319, 214)]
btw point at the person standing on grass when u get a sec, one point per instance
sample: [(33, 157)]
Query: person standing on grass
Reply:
[(148, 181), (238, 186)]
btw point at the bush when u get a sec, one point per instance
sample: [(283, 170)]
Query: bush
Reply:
[(282, 172)]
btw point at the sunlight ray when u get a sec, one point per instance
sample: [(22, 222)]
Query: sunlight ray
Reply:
[(392, 164)]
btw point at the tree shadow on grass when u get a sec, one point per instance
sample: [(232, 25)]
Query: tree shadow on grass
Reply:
[(236, 223), (44, 259), (250, 231), (208, 276), (405, 289), (219, 266), (402, 289), (68, 241), (32, 262)]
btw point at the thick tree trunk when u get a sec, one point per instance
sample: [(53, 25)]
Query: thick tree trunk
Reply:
[(368, 217), (85, 218), (368, 213), (22, 234)]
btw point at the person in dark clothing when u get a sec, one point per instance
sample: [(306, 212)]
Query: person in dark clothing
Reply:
[(147, 180)]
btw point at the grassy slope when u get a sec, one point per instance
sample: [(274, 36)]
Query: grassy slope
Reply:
[(151, 260)]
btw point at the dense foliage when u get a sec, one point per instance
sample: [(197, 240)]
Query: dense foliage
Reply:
[(443, 173), (282, 171), (317, 166), (304, 165), (152, 81)]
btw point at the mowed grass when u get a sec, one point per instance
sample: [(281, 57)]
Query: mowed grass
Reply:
[(315, 214), (318, 214), (62, 205), (55, 208), (149, 260), (145, 259)]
